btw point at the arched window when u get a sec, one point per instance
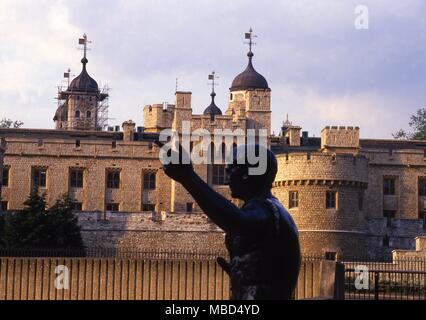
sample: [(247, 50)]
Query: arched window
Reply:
[(77, 114), (88, 114)]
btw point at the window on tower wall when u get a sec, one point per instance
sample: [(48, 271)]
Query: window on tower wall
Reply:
[(361, 200), (77, 114), (293, 199), (389, 186), (331, 200), (88, 114)]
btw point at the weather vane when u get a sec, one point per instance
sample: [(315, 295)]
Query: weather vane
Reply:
[(212, 78), (250, 36), (67, 75), (83, 41)]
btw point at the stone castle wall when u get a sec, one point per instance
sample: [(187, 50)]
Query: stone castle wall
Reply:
[(146, 232)]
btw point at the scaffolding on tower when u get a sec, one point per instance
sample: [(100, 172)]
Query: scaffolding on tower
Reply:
[(82, 106), (103, 107)]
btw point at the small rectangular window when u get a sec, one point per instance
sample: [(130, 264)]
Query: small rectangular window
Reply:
[(115, 207), (148, 207), (385, 241), (189, 207), (422, 187), (389, 215), (39, 177), (389, 186), (77, 143), (149, 181), (219, 175), (114, 144), (113, 179), (5, 177), (77, 206), (331, 256), (361, 200), (331, 199), (4, 205), (293, 199), (76, 178)]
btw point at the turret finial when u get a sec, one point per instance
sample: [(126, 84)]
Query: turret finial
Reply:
[(83, 41), (250, 36)]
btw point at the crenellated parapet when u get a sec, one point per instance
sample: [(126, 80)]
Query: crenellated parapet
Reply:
[(322, 168), (340, 139)]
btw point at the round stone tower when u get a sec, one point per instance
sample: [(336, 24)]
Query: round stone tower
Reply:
[(324, 193)]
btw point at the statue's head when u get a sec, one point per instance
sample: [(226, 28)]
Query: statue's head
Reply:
[(252, 172)]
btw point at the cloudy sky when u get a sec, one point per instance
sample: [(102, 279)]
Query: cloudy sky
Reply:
[(321, 69)]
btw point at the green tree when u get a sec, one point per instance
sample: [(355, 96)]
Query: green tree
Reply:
[(418, 126), (27, 228), (36, 227), (7, 123), (63, 225)]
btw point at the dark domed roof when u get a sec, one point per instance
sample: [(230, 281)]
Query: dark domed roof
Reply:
[(61, 113), (84, 83), (249, 78), (212, 110)]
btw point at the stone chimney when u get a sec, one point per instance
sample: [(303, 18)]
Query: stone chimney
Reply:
[(128, 130), (183, 110)]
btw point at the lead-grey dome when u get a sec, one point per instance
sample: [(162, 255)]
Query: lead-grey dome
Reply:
[(84, 82), (249, 78), (212, 110)]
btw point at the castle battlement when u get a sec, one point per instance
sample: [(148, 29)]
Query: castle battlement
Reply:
[(340, 139), (340, 128), (322, 166)]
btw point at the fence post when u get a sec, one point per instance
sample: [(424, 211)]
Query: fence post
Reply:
[(376, 285)]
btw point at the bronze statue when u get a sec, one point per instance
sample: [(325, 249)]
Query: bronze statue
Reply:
[(261, 237)]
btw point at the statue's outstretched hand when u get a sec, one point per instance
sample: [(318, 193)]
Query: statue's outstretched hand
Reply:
[(177, 170)]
